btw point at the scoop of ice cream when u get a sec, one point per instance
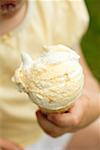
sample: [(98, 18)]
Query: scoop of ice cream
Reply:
[(54, 80)]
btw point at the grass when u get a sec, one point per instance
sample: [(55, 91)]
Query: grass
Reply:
[(91, 40)]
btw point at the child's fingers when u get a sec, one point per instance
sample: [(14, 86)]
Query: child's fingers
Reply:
[(48, 126), (68, 119)]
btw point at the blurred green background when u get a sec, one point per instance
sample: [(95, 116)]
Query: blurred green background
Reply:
[(91, 40)]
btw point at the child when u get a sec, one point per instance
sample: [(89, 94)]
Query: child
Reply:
[(27, 25)]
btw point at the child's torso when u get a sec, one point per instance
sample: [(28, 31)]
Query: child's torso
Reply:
[(47, 22)]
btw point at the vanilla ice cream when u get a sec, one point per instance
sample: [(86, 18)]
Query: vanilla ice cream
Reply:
[(54, 80)]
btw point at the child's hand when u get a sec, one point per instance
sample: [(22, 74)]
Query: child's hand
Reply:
[(8, 145), (84, 112)]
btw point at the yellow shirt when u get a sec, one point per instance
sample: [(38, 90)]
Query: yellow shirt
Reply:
[(47, 22)]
